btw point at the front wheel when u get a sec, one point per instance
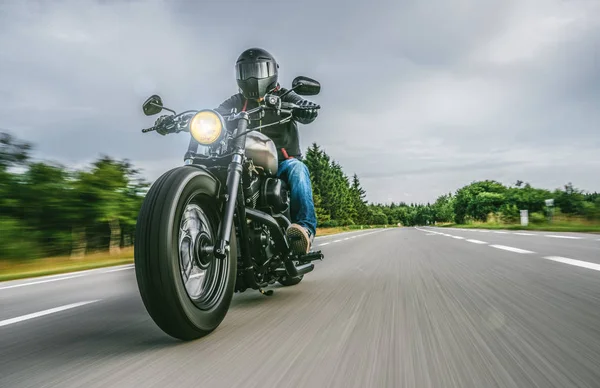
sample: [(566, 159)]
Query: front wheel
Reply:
[(186, 290)]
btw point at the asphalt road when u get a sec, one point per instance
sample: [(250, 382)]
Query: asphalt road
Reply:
[(402, 307)]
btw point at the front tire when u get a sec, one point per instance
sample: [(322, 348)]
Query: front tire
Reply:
[(186, 292)]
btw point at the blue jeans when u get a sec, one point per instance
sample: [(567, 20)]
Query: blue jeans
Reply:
[(302, 209)]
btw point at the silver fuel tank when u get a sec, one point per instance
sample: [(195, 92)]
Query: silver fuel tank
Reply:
[(261, 149)]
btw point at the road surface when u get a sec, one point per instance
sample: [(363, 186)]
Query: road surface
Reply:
[(401, 307)]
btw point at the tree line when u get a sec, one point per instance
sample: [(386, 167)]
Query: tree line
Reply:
[(47, 209), (491, 201)]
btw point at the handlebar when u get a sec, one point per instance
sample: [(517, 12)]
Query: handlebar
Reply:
[(286, 107)]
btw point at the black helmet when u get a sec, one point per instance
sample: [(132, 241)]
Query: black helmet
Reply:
[(256, 73)]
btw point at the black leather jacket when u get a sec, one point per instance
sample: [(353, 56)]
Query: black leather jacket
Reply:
[(285, 136)]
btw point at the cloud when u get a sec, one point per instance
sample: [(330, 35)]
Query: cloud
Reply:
[(418, 98)]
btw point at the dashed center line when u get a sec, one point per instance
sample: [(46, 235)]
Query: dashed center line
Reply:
[(476, 241), (577, 263), (44, 312), (512, 249), (564, 260)]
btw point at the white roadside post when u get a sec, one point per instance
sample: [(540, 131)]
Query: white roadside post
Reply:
[(524, 218), (550, 207)]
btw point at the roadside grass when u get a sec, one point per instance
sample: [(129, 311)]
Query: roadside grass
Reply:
[(342, 229), (21, 269), (560, 226)]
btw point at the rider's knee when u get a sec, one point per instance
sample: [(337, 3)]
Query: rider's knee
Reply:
[(298, 170)]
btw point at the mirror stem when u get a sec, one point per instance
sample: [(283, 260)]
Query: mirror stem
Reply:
[(289, 91), (160, 106)]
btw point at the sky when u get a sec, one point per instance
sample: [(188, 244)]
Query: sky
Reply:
[(418, 98)]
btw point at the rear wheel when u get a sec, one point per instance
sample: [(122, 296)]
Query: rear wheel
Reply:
[(185, 289)]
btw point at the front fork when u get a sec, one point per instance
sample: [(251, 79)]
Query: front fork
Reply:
[(234, 174)]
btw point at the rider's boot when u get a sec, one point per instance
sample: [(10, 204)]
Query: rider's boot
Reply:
[(300, 239)]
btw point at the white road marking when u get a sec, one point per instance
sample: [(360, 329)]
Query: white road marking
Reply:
[(458, 237), (476, 241), (324, 244), (577, 263), (45, 312), (484, 231), (119, 269), (557, 236), (524, 234), (336, 241), (40, 282), (512, 249), (347, 238), (500, 232)]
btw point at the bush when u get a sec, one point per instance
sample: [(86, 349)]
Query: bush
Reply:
[(15, 241), (537, 218), (509, 214), (329, 224)]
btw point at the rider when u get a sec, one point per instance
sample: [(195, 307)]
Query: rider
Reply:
[(256, 74)]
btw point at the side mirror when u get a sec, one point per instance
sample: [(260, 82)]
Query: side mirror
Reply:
[(153, 105), (305, 86)]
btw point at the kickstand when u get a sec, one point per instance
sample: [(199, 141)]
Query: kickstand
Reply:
[(266, 293)]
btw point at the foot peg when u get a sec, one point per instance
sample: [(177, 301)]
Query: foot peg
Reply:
[(311, 256)]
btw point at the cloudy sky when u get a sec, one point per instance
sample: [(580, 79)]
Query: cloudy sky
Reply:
[(419, 98)]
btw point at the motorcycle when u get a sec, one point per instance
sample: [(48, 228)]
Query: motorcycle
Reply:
[(216, 225)]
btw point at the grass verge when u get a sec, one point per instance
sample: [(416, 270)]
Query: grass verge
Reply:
[(555, 227), (21, 269)]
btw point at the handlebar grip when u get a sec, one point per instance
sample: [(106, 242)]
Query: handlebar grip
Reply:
[(148, 129)]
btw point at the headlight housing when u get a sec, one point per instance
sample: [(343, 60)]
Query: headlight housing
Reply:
[(206, 126)]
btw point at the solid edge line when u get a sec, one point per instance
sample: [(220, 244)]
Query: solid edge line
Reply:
[(41, 281), (22, 318), (62, 276)]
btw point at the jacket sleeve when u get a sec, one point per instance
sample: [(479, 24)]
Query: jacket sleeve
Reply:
[(295, 98), (226, 107)]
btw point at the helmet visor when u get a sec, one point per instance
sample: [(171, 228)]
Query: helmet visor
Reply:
[(244, 71)]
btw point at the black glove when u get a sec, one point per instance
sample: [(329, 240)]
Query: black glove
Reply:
[(304, 113), (164, 125)]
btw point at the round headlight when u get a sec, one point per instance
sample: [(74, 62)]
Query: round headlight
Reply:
[(206, 127)]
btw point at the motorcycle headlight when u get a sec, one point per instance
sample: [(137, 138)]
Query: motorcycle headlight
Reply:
[(206, 127)]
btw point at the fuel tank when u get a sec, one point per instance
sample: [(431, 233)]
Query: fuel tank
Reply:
[(261, 149)]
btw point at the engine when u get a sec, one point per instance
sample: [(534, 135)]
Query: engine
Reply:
[(274, 194), (251, 184), (263, 192)]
